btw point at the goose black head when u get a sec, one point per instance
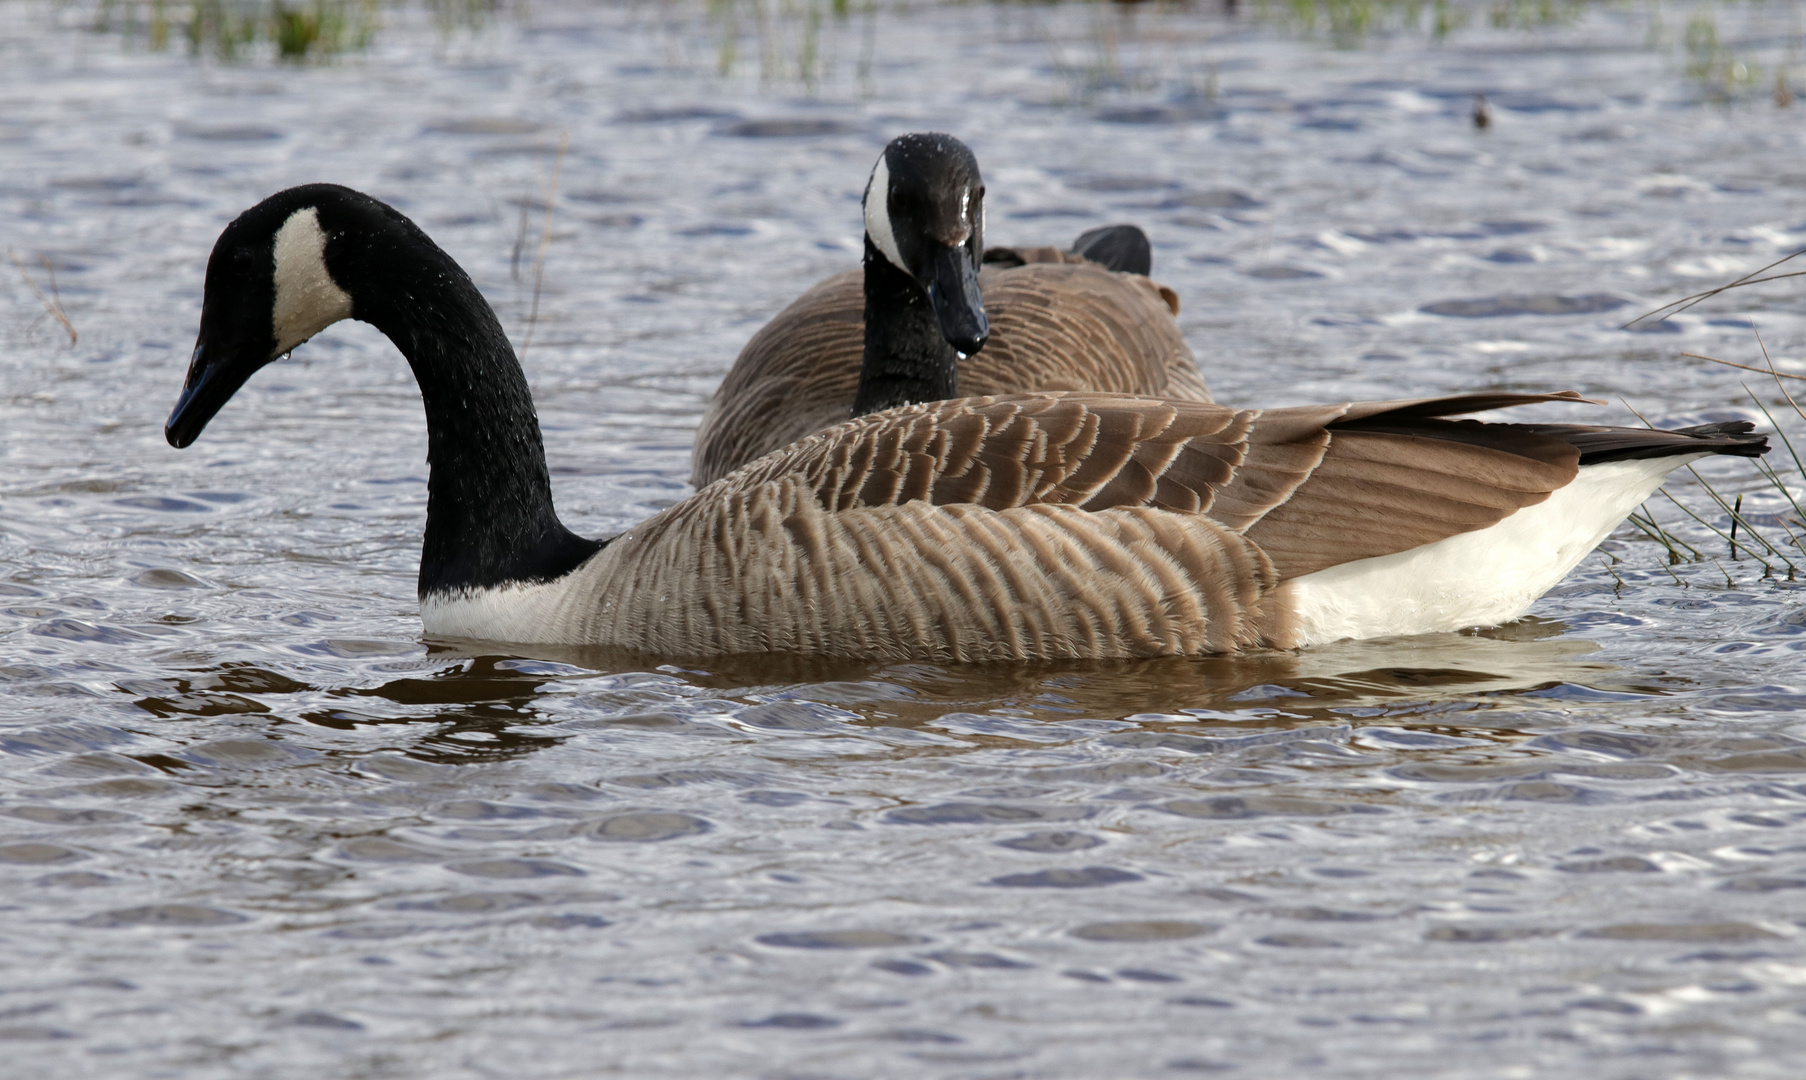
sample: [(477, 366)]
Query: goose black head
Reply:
[(271, 285), (924, 214)]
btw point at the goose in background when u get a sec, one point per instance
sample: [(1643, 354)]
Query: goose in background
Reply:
[(1048, 525), (925, 320)]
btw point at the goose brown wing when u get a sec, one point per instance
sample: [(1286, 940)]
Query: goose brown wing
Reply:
[(1055, 325), (1073, 325), (796, 376), (1095, 451), (1313, 486), (1398, 475)]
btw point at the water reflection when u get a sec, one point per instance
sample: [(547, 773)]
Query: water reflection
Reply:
[(488, 707), (1487, 669)]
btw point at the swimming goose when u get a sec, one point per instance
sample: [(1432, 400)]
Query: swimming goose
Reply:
[(1047, 319), (1060, 524)]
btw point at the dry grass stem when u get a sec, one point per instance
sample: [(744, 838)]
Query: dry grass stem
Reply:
[(1658, 534), (1775, 481), (545, 239), (52, 303), (520, 244), (1785, 441), (1772, 370), (1735, 514), (1791, 539), (1750, 278), (1768, 472), (1746, 367), (1722, 535)]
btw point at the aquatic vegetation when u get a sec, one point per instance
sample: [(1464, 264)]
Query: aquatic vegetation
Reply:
[(812, 42), (1728, 64), (1742, 534), (792, 40), (232, 29), (1351, 23), (1714, 64), (1778, 551), (287, 30), (1730, 51), (1534, 14)]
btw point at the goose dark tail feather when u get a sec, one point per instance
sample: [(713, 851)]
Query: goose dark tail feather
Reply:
[(1601, 444), (1122, 248)]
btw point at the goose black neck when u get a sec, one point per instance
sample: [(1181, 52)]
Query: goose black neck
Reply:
[(489, 515), (906, 357)]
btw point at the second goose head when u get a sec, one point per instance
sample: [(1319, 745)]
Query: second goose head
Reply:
[(282, 294), (924, 244), (310, 256)]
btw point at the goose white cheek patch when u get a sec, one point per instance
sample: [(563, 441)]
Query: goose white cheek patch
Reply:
[(877, 215), (307, 299)]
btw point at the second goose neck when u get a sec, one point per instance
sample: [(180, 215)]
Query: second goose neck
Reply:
[(906, 357), (490, 519)]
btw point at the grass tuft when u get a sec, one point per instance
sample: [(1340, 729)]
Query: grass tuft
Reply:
[(53, 304)]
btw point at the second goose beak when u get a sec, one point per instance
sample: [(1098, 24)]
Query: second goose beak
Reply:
[(214, 375), (204, 391), (953, 290)]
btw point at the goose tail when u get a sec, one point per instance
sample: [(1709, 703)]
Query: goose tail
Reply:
[(1122, 248), (1598, 445)]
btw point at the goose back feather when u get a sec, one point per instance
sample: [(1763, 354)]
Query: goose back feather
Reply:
[(1058, 322)]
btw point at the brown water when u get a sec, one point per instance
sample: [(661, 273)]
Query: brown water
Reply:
[(254, 826)]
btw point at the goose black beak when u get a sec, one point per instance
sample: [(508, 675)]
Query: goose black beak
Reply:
[(211, 383), (953, 290)]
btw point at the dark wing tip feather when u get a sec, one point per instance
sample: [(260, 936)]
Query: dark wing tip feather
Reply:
[(1597, 445), (1427, 408), (1737, 438)]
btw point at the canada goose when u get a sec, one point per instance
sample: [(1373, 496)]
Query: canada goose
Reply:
[(893, 332), (1043, 525)]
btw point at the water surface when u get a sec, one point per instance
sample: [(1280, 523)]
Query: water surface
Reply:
[(252, 825)]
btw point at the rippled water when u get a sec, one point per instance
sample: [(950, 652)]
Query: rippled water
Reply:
[(254, 826)]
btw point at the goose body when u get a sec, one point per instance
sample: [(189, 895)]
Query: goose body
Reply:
[(1058, 524), (1084, 319)]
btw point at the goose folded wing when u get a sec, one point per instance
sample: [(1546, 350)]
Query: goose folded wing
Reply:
[(796, 376), (1313, 486), (1079, 326)]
